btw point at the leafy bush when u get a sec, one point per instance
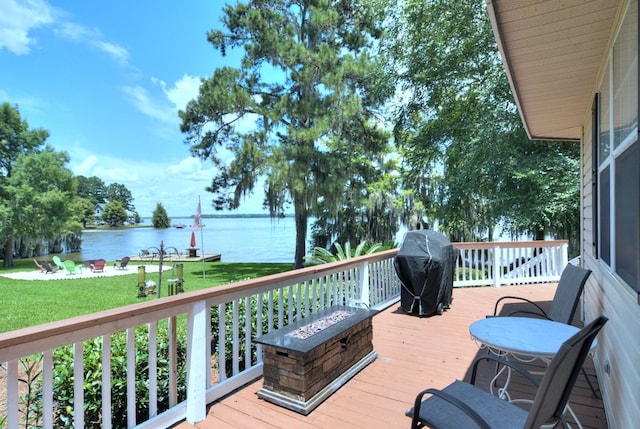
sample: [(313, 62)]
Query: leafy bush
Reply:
[(242, 316), (320, 255), (63, 379), (31, 400)]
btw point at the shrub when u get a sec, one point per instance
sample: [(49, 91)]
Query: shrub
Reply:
[(63, 379), (320, 255), (242, 315)]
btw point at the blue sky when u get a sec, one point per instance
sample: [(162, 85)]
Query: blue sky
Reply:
[(107, 78)]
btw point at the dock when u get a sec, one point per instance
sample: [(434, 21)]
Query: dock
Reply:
[(172, 257)]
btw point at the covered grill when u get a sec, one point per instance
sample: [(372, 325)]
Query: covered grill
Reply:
[(425, 264)]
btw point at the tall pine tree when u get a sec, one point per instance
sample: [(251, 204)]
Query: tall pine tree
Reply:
[(299, 109)]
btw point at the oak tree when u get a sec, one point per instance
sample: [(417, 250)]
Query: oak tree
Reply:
[(468, 154), (16, 140), (119, 192), (38, 204)]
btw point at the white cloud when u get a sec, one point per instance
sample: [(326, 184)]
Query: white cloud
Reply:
[(164, 108), (175, 185), (79, 33), (191, 169), (76, 32), (184, 90), (142, 101), (117, 52), (18, 19), (85, 168)]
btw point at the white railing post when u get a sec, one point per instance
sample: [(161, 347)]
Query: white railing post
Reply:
[(497, 265), (363, 284), (131, 377), (78, 385), (47, 389), (196, 362), (153, 369), (106, 382), (565, 256), (12, 394)]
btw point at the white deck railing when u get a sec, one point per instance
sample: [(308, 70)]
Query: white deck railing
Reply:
[(187, 320), (508, 263)]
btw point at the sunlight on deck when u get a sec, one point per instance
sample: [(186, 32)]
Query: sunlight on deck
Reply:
[(413, 353)]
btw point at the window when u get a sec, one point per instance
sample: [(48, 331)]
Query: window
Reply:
[(627, 200), (618, 157)]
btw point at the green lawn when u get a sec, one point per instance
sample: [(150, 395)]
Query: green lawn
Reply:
[(27, 303)]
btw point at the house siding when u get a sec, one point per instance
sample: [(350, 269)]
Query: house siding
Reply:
[(619, 347)]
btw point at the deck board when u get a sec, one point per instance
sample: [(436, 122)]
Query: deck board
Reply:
[(413, 353)]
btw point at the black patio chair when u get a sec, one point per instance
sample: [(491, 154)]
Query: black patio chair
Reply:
[(564, 305), (463, 405), (123, 263), (565, 301)]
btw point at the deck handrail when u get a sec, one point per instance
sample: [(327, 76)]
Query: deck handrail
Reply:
[(508, 263), (280, 298)]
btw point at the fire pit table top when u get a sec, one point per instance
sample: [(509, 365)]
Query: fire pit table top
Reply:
[(314, 330)]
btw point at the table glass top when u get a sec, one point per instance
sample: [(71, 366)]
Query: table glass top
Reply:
[(522, 335)]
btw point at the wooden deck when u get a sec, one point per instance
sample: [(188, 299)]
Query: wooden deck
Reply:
[(413, 354), (172, 258)]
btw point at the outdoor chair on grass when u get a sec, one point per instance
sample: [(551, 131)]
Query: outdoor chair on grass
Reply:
[(50, 269), (123, 263), (40, 267), (58, 263), (98, 266), (463, 405), (71, 267), (564, 304)]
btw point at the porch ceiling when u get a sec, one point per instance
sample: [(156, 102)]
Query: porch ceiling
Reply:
[(552, 51)]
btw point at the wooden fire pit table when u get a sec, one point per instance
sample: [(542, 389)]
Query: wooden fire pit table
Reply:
[(305, 362)]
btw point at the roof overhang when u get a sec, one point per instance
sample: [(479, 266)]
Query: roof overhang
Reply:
[(552, 52)]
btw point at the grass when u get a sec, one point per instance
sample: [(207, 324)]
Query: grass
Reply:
[(26, 303)]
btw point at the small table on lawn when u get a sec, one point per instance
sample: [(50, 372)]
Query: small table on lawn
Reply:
[(523, 339)]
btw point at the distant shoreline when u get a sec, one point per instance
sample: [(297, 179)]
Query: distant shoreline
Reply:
[(233, 215), (144, 224)]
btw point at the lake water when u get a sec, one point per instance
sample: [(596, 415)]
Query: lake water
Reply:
[(235, 239)]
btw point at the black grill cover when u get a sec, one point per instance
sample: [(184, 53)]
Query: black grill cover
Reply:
[(425, 264)]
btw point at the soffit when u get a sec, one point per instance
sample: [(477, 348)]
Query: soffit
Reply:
[(552, 51)]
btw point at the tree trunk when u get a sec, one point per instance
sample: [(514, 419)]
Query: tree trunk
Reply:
[(8, 252), (301, 215)]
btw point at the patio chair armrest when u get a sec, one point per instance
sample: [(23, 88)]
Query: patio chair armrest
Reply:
[(482, 424), (519, 298), (500, 361), (531, 313)]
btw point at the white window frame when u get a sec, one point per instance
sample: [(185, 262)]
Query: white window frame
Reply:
[(609, 162)]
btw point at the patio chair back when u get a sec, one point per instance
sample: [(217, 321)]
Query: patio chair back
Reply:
[(565, 301), (41, 267), (71, 266), (49, 267), (559, 378), (58, 262), (123, 263), (98, 265)]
